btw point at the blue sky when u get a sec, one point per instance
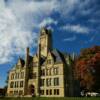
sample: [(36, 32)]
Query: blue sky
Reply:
[(75, 25)]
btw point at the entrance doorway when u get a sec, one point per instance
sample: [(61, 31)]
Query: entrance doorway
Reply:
[(31, 90)]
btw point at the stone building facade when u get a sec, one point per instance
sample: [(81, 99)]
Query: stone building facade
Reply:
[(47, 73)]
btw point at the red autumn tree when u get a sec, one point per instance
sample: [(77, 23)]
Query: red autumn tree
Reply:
[(87, 68)]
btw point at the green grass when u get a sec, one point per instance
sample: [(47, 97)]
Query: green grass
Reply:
[(47, 98)]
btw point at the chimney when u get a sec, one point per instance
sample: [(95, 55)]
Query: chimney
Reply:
[(39, 54), (27, 55)]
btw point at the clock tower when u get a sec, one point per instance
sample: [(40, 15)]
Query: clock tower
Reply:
[(45, 42)]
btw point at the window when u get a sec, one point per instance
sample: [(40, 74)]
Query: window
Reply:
[(17, 84), (50, 92), (20, 92), (43, 72), (56, 81), (47, 92), (12, 76), (11, 84), (35, 64), (11, 92), (42, 92), (16, 76), (48, 81), (49, 61), (55, 70), (21, 84), (15, 92), (42, 82), (22, 74), (56, 91), (30, 75), (34, 75), (48, 72)]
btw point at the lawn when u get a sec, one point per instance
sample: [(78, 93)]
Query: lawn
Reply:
[(44, 98)]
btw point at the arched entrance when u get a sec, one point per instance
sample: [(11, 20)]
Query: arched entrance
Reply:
[(31, 90)]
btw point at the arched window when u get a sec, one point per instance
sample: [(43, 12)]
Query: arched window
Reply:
[(12, 76), (31, 90)]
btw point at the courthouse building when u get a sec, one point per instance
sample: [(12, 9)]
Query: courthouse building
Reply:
[(48, 73)]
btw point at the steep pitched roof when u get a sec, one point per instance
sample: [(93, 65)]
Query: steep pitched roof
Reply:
[(22, 61), (58, 56), (42, 60)]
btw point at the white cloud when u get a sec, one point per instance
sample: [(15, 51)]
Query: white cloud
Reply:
[(13, 37), (65, 7), (48, 21), (18, 18), (70, 39), (76, 28)]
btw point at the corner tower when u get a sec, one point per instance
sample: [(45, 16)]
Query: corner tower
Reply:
[(45, 42)]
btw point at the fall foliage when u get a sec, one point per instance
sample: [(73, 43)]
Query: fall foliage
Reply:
[(87, 68)]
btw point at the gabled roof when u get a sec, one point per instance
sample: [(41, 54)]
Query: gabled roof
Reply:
[(58, 56), (22, 61)]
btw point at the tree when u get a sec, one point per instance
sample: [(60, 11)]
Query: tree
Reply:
[(87, 68)]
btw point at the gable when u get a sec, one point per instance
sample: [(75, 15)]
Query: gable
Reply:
[(50, 58), (20, 63)]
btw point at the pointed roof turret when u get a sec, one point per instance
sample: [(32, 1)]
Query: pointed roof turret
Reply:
[(44, 31)]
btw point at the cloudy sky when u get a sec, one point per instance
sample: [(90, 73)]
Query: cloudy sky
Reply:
[(75, 23)]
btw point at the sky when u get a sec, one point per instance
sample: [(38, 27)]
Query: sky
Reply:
[(75, 24)]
